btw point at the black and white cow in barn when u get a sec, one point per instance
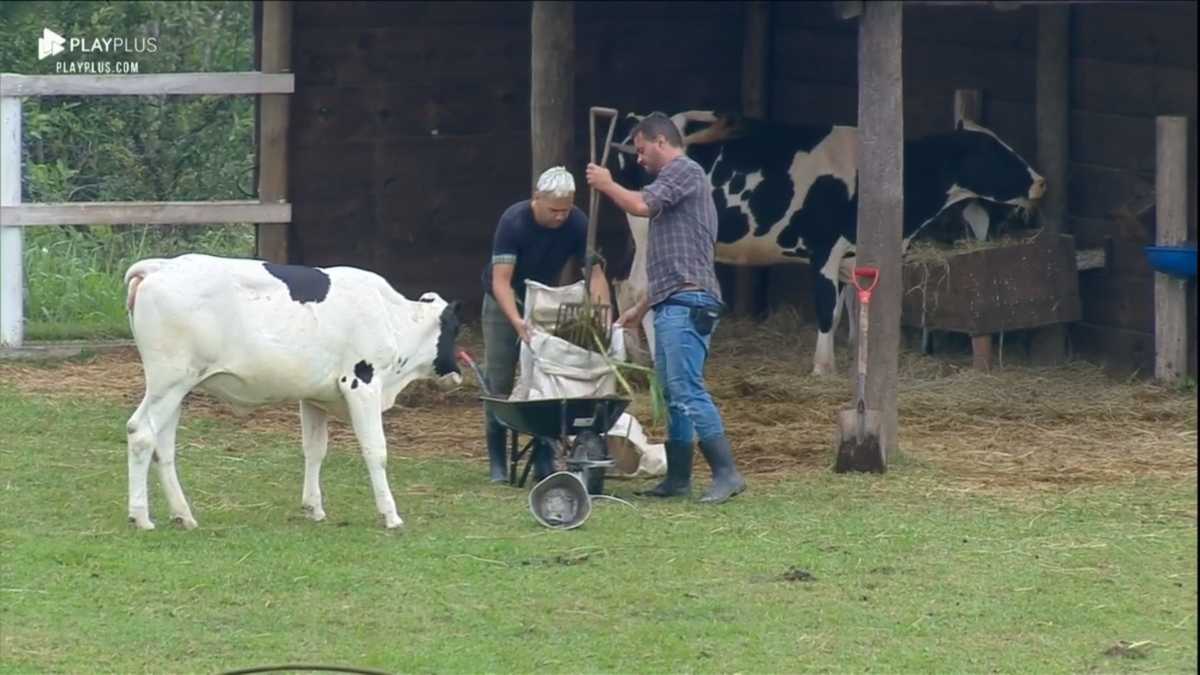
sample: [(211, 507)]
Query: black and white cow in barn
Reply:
[(339, 340), (788, 193)]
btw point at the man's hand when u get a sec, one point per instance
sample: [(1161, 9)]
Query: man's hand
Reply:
[(632, 317), (599, 177), (522, 331)]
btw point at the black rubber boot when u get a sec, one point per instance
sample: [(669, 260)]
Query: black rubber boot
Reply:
[(543, 461), (498, 452), (727, 482), (679, 473)]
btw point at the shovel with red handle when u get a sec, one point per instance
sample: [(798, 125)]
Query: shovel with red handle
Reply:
[(858, 445)]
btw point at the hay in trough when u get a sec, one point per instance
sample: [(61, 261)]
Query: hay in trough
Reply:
[(936, 253)]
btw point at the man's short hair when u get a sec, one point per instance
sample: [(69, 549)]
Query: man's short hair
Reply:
[(658, 124), (555, 183)]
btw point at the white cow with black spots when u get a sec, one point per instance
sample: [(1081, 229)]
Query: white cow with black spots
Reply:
[(339, 340)]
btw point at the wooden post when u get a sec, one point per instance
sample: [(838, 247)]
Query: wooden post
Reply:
[(881, 199), (276, 57), (968, 106), (755, 59), (552, 87), (1048, 345), (12, 247), (1171, 340)]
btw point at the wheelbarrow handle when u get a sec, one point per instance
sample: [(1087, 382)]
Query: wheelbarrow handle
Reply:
[(466, 358)]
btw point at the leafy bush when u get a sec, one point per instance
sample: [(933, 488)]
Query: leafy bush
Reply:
[(127, 148)]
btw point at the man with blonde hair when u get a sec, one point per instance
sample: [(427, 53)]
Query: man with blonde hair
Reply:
[(535, 239)]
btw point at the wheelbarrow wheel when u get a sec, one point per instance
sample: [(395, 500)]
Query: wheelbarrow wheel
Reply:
[(589, 445)]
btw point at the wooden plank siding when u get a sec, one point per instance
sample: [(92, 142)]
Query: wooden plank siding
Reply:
[(410, 127), (1129, 63)]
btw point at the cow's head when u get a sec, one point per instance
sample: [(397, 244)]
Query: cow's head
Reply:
[(442, 358), (987, 180)]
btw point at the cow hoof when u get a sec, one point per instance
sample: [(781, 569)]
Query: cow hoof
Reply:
[(141, 523), (394, 523), (314, 514), (823, 371), (186, 522)]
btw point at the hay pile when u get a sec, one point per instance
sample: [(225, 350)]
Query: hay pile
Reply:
[(1013, 428)]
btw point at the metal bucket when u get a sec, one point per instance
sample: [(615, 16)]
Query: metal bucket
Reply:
[(560, 501)]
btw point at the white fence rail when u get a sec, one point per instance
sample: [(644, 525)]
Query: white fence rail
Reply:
[(14, 216)]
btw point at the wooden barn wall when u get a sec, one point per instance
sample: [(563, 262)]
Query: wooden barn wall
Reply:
[(410, 122), (409, 136), (1129, 64), (621, 63)]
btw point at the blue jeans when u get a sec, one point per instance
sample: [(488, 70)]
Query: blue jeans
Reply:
[(683, 328)]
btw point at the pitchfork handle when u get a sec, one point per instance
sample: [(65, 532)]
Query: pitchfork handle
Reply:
[(594, 203)]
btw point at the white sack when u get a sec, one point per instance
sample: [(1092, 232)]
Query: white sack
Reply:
[(552, 368)]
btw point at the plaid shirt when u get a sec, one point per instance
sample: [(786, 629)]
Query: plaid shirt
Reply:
[(683, 231)]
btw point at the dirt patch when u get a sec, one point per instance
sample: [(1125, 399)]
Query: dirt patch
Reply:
[(797, 574), (1013, 428)]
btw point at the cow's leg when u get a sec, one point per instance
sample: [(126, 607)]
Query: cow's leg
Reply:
[(638, 283), (366, 415), (847, 302), (167, 475), (825, 301), (314, 429), (159, 406)]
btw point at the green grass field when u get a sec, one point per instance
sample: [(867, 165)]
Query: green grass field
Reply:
[(817, 572)]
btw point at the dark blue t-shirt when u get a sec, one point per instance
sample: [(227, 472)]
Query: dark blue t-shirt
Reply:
[(539, 253)]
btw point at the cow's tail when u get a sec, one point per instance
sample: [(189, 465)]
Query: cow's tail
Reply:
[(134, 277)]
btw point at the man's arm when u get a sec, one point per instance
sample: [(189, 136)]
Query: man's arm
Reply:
[(505, 297), (627, 200), (599, 284)]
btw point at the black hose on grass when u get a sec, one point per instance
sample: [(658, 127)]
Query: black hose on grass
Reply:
[(330, 669)]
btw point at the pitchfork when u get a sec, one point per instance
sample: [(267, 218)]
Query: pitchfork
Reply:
[(574, 311)]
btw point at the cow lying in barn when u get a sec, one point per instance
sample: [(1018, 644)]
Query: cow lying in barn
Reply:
[(339, 340), (788, 193)]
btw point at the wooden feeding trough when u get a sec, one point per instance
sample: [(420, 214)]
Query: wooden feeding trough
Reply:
[(985, 289)]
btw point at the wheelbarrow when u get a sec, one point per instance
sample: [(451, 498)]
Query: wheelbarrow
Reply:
[(555, 421)]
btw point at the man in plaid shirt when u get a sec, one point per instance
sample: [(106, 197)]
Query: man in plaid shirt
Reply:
[(685, 296)]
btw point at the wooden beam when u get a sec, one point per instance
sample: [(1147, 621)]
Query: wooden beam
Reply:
[(847, 9), (1053, 90), (552, 87), (881, 200), (968, 106), (1171, 328), (276, 55), (145, 213), (147, 85), (1048, 345), (756, 51), (12, 246)]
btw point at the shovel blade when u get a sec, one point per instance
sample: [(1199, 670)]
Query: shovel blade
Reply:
[(855, 453)]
